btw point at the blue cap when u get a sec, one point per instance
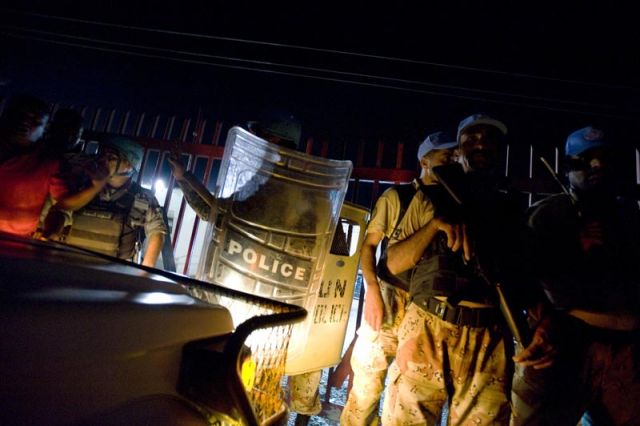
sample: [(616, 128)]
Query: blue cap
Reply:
[(437, 140), (480, 118), (583, 140)]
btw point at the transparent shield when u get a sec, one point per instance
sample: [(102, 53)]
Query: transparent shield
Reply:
[(277, 210)]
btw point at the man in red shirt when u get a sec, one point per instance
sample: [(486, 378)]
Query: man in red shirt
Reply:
[(28, 173)]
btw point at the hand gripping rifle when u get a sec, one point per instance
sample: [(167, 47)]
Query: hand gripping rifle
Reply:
[(453, 179)]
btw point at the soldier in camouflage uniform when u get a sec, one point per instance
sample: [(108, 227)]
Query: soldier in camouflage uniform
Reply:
[(385, 303), (451, 345), (120, 212), (585, 247), (258, 197), (282, 131)]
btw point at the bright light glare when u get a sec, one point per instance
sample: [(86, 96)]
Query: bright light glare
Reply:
[(159, 185), (157, 298)]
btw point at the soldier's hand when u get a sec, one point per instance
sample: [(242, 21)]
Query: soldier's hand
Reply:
[(457, 237), (373, 307), (175, 162), (541, 352)]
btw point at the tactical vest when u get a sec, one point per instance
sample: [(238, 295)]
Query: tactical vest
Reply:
[(110, 227), (441, 272)]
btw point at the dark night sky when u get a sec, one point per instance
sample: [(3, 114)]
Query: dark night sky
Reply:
[(585, 61)]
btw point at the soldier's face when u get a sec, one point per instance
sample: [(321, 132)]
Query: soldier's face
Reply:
[(437, 157), (588, 172), (479, 147), (114, 162), (440, 157)]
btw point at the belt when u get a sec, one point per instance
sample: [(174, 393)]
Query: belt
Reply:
[(461, 315)]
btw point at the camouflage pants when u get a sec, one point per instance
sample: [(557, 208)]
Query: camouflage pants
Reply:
[(439, 361), (372, 354), (305, 398)]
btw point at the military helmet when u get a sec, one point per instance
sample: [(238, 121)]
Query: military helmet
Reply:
[(282, 125), (129, 149)]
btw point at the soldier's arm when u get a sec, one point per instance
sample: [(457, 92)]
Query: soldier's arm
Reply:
[(373, 306), (154, 247), (404, 254), (155, 230), (195, 192), (197, 195)]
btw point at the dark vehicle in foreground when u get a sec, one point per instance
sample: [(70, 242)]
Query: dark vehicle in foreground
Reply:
[(88, 339)]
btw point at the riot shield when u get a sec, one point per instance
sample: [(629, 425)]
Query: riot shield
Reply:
[(329, 317), (277, 211)]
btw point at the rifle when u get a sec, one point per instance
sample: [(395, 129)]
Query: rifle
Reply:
[(564, 189), (452, 178)]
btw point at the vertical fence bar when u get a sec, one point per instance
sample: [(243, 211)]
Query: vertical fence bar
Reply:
[(96, 117), (637, 172), (375, 189), (324, 150), (109, 121), (360, 154), (156, 171), (530, 173), (400, 155), (309, 146), (637, 166), (215, 140), (154, 128), (170, 186), (124, 122), (184, 130), (198, 134), (139, 123), (143, 166), (192, 240), (205, 180), (178, 224), (168, 129), (379, 153), (506, 167)]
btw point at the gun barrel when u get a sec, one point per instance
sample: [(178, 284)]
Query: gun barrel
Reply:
[(517, 330)]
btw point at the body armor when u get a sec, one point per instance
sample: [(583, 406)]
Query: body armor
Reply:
[(441, 272), (109, 227)]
